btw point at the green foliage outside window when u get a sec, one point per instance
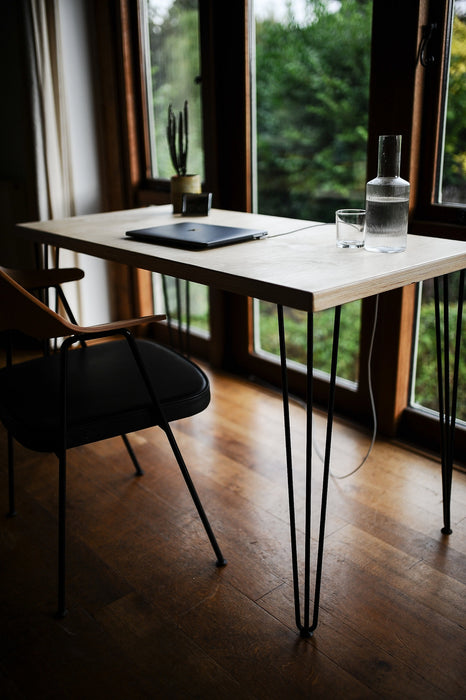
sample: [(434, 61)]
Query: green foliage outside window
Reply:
[(312, 107), (454, 166), (174, 67), (312, 110), (425, 380), (312, 84), (296, 337)]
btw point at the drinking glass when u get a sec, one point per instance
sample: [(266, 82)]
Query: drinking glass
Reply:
[(351, 225)]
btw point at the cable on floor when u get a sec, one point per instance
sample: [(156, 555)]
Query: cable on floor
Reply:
[(371, 394), (303, 404)]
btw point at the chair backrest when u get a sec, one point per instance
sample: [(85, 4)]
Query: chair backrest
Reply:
[(21, 311), (43, 278)]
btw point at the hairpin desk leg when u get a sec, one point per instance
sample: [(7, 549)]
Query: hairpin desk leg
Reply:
[(303, 622), (447, 399)]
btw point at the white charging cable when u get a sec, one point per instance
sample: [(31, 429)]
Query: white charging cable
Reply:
[(371, 394), (301, 403)]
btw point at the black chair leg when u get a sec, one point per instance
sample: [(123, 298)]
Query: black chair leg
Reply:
[(10, 447), (221, 561), (164, 424), (139, 471), (11, 477), (61, 611)]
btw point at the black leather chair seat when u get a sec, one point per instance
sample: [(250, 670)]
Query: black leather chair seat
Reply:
[(106, 395)]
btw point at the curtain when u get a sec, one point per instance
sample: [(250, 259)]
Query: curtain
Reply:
[(64, 115), (50, 123), (51, 137)]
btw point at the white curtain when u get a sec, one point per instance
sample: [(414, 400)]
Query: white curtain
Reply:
[(51, 132), (65, 136), (54, 176)]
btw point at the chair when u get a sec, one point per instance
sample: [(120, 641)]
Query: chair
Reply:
[(92, 392), (39, 280)]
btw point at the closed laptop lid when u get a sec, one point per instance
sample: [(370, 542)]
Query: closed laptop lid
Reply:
[(195, 235)]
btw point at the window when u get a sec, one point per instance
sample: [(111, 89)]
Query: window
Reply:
[(172, 54), (451, 176), (445, 199), (424, 386), (307, 173), (441, 194), (312, 66), (171, 47), (185, 304)]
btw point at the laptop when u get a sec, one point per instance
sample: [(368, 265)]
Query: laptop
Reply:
[(195, 235)]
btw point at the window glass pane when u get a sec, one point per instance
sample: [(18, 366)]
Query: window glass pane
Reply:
[(172, 59), (424, 391), (452, 181), (179, 300), (172, 71), (266, 342), (312, 73)]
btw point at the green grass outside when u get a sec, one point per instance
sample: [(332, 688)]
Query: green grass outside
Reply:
[(425, 384), (425, 381), (296, 334)]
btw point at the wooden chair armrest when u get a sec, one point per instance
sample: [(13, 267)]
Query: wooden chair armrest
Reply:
[(117, 325), (21, 311)]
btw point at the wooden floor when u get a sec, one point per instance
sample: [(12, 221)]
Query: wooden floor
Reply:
[(150, 616)]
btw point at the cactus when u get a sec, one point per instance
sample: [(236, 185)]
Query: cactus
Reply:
[(177, 136)]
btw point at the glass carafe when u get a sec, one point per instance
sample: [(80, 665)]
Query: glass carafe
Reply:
[(387, 201)]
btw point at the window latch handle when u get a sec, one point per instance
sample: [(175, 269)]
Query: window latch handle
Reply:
[(424, 57)]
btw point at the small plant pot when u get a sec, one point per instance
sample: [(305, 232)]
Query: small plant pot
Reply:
[(181, 184)]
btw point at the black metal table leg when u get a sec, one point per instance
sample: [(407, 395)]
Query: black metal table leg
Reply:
[(447, 398), (303, 621), (179, 314), (167, 310)]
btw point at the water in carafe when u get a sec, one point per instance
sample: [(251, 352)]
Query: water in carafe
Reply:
[(387, 201)]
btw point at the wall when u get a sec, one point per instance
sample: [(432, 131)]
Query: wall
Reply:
[(16, 187)]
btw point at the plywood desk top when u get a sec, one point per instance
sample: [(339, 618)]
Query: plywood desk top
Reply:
[(297, 264)]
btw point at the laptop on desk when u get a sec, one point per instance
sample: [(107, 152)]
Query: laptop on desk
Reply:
[(195, 235)]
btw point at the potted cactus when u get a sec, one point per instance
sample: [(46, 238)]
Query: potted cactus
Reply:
[(178, 139)]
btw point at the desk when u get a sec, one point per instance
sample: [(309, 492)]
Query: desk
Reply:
[(296, 265)]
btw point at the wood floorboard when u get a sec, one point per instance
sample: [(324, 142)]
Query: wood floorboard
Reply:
[(151, 616)]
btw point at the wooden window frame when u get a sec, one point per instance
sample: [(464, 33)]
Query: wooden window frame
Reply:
[(397, 78), (441, 220)]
